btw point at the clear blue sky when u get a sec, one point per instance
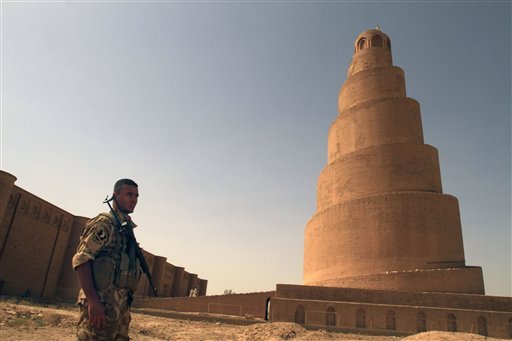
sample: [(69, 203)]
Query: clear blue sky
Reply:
[(220, 111)]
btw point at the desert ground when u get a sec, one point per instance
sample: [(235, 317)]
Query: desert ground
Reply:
[(30, 320)]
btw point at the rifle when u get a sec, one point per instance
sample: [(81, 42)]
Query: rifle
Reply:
[(131, 238)]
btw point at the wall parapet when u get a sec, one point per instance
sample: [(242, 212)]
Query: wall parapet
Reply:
[(426, 299)]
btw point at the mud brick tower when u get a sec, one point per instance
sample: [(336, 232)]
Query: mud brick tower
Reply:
[(382, 220)]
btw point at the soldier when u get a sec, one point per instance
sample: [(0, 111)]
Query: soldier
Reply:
[(108, 269)]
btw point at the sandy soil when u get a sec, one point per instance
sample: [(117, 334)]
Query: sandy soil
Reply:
[(25, 320)]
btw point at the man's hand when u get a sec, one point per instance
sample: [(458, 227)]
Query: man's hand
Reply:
[(96, 312)]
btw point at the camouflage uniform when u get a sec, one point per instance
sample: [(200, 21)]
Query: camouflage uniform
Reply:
[(107, 249)]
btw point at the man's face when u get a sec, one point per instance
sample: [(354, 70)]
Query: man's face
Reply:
[(127, 198)]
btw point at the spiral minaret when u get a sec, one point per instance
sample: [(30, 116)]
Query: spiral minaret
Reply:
[(382, 220)]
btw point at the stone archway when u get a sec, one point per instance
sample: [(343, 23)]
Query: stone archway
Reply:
[(300, 314), (267, 309), (360, 318), (330, 317)]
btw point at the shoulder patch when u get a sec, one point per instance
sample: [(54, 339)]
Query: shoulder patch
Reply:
[(101, 236)]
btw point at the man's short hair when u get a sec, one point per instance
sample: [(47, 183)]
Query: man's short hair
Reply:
[(122, 182)]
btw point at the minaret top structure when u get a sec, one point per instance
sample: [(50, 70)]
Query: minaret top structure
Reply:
[(380, 79), (372, 38), (372, 48)]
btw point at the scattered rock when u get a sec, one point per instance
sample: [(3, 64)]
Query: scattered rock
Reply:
[(144, 331), (288, 335)]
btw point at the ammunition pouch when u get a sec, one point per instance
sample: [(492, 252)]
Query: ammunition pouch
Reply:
[(128, 273), (116, 269)]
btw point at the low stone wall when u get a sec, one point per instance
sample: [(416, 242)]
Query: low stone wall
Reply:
[(254, 304), (392, 312)]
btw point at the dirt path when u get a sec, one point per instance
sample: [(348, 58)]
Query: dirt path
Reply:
[(24, 320)]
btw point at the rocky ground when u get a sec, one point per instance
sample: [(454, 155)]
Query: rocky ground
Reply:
[(27, 320)]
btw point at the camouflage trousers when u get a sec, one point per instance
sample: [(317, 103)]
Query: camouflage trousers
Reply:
[(117, 322)]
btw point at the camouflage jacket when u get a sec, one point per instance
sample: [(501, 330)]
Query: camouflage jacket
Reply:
[(113, 260)]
